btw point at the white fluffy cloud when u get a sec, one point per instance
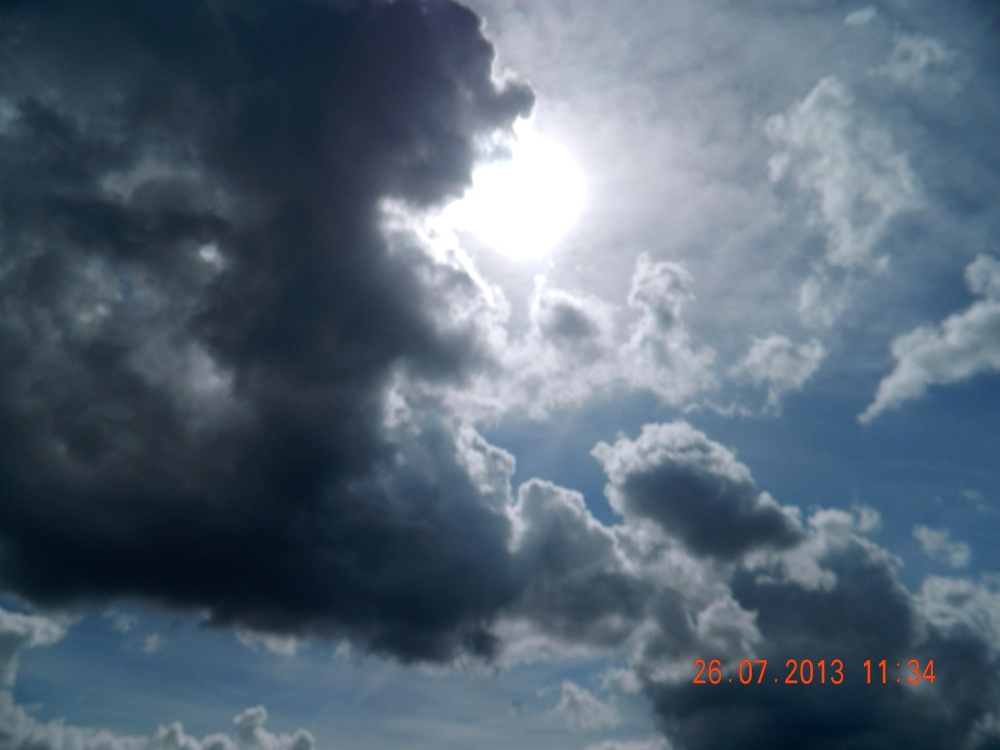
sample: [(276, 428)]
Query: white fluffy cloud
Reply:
[(578, 347), (779, 364), (938, 545), (582, 710), (962, 608), (964, 345)]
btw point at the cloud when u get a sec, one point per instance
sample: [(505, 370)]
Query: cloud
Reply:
[(660, 352), (695, 489), (275, 644), (579, 586), (962, 346), (914, 58), (964, 609), (579, 348), (939, 546), (18, 632), (847, 161), (779, 364), (861, 17), (202, 314), (121, 622), (830, 148), (860, 612), (583, 711), (153, 642), (22, 732)]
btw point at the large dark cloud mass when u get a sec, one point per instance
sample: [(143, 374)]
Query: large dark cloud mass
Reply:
[(200, 315)]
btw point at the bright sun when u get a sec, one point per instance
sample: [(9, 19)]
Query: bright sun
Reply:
[(523, 205)]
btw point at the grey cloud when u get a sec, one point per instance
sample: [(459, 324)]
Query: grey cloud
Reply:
[(564, 319), (695, 489), (964, 345), (858, 612), (579, 587), (829, 593), (201, 314)]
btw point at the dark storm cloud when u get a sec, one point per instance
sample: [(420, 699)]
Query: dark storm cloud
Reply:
[(767, 586), (856, 610), (199, 314), (695, 489)]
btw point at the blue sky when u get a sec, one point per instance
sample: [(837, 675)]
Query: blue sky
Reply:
[(407, 374)]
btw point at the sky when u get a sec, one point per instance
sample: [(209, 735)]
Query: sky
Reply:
[(555, 374)]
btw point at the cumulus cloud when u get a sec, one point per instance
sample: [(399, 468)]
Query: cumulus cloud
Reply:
[(579, 587), (861, 612), (202, 313), (938, 545), (695, 489), (779, 364), (661, 354), (962, 346), (813, 589), (579, 348), (583, 711), (220, 365)]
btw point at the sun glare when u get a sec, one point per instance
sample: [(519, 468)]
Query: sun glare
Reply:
[(523, 205)]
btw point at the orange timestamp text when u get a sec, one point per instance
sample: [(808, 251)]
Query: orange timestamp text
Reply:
[(807, 672)]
